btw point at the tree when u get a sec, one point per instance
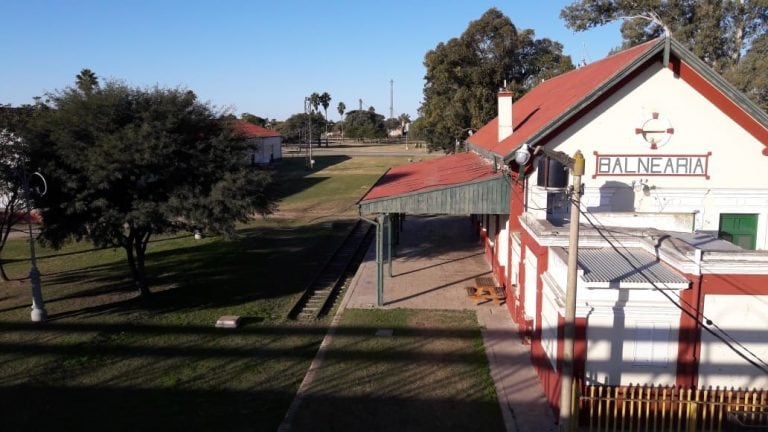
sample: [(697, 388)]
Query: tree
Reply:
[(12, 161), (124, 164), (464, 74), (751, 75), (721, 33), (254, 119), (325, 101), (294, 128), (341, 108), (392, 123), (365, 124), (314, 101), (87, 81)]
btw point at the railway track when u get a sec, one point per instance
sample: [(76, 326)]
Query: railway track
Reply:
[(320, 294)]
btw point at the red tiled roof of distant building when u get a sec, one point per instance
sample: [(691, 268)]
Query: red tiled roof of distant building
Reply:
[(250, 130), (551, 99), (432, 174)]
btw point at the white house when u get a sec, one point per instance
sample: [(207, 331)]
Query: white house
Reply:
[(265, 144)]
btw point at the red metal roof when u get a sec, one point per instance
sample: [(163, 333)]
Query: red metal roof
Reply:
[(432, 174), (549, 100), (250, 130)]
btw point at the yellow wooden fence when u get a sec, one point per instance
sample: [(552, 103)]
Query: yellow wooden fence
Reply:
[(603, 408)]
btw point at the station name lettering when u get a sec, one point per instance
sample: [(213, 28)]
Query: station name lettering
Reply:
[(695, 165)]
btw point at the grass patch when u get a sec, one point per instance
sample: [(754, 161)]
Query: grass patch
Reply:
[(106, 358), (431, 374), (333, 187)]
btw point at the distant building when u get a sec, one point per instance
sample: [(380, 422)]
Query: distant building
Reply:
[(265, 144)]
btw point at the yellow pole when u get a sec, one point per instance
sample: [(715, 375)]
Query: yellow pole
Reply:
[(569, 329)]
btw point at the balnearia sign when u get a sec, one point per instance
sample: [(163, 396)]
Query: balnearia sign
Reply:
[(651, 165)]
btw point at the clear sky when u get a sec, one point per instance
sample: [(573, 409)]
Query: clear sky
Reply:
[(261, 57)]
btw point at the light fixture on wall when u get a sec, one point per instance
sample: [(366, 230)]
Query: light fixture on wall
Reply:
[(523, 154)]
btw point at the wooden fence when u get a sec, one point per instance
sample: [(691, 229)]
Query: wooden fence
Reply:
[(648, 408)]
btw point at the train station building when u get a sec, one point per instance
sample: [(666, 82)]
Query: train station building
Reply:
[(672, 276)]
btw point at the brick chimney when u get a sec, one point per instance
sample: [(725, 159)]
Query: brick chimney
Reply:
[(505, 114)]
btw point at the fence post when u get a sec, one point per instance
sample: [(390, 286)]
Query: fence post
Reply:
[(692, 427)]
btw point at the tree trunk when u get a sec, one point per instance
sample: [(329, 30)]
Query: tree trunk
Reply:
[(3, 276), (136, 264)]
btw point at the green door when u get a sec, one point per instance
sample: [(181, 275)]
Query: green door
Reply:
[(739, 229)]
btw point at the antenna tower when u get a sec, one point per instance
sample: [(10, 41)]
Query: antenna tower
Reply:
[(391, 98)]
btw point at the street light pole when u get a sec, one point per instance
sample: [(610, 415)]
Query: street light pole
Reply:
[(308, 111), (569, 329), (39, 313), (576, 165)]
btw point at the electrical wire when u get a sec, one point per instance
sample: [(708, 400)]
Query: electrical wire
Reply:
[(706, 323)]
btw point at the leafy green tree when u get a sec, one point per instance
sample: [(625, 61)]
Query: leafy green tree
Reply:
[(124, 164), (294, 128), (87, 81), (464, 75), (751, 75), (254, 119), (721, 33), (365, 124), (392, 123), (12, 161)]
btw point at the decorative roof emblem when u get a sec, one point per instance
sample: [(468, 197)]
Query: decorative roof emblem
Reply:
[(655, 131)]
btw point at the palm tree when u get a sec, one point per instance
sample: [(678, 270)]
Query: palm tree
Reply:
[(325, 101), (314, 100), (341, 108), (86, 81)]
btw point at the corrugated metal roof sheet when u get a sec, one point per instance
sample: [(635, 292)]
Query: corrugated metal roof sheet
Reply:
[(432, 174), (627, 266), (463, 183)]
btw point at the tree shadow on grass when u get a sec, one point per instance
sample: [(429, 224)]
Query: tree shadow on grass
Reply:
[(268, 262)]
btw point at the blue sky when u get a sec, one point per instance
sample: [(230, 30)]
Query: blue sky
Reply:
[(260, 57)]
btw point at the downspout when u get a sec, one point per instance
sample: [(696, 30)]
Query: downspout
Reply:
[(698, 311), (379, 224)]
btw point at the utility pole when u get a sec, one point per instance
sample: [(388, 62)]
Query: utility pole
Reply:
[(576, 165), (569, 329), (391, 98), (308, 111)]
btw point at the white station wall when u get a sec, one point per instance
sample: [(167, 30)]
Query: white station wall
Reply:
[(720, 365), (736, 165)]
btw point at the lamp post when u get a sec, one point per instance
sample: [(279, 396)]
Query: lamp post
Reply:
[(38, 313), (576, 165), (308, 111)]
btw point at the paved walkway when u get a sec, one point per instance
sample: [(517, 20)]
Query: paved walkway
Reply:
[(437, 257)]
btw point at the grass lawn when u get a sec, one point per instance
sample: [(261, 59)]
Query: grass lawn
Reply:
[(431, 374), (106, 360)]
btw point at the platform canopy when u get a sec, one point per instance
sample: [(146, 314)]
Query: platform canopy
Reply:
[(459, 184)]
